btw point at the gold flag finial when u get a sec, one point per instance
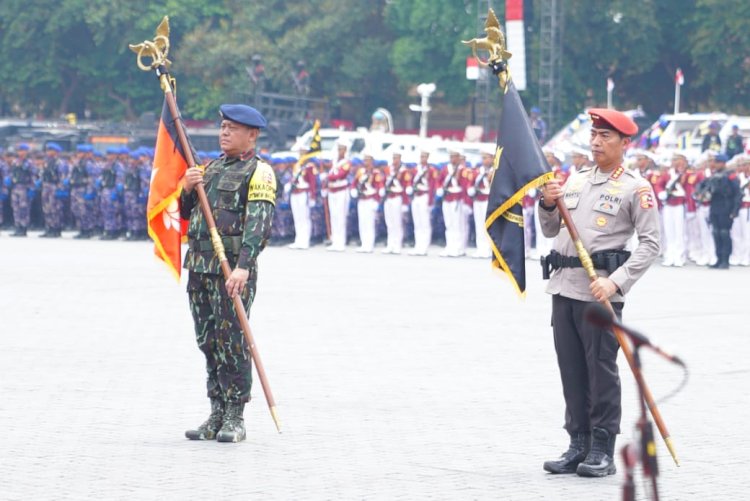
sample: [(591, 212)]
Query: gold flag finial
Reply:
[(157, 49), (494, 43)]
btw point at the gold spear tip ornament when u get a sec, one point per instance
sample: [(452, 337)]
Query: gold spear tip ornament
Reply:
[(494, 44), (157, 49)]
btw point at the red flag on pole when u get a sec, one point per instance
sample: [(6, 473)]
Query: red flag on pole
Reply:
[(679, 78), (165, 227)]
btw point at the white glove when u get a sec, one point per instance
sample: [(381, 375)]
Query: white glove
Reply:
[(404, 209), (440, 192), (353, 193), (662, 196), (323, 176), (324, 193), (409, 190), (311, 203), (532, 192), (690, 216), (381, 192), (287, 187), (471, 191)]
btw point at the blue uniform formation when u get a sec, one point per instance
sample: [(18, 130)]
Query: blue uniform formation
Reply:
[(98, 193)]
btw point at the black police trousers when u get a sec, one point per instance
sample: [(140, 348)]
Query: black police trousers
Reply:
[(721, 225), (587, 358)]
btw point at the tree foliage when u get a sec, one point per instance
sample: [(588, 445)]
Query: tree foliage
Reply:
[(366, 53)]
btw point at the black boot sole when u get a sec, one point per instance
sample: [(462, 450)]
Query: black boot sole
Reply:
[(230, 437), (197, 435), (593, 472), (550, 467)]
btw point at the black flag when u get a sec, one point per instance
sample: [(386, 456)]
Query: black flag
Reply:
[(519, 166)]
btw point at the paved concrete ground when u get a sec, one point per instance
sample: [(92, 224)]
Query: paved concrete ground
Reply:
[(396, 378)]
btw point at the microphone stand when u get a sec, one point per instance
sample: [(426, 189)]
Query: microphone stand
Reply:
[(646, 430)]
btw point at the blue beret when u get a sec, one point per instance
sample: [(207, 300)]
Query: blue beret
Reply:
[(290, 160), (535, 110), (411, 164), (242, 114), (721, 157), (278, 160), (381, 163), (112, 150), (53, 147), (85, 148), (124, 150), (98, 153), (23, 147)]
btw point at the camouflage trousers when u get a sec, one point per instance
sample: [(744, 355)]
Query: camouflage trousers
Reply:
[(20, 202), (52, 207), (135, 212), (84, 211), (110, 209), (219, 336)]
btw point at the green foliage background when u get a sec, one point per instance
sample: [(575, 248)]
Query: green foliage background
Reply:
[(59, 56)]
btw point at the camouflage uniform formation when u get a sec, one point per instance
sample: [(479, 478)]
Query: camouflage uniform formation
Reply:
[(242, 193)]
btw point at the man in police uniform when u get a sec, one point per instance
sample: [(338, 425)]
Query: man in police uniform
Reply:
[(241, 191), (607, 203)]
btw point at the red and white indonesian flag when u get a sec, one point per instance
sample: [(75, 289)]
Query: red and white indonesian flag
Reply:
[(165, 227), (679, 78), (515, 35)]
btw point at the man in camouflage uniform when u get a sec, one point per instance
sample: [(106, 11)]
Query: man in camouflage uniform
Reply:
[(109, 198), (4, 183), (82, 192), (22, 179), (136, 185), (241, 190), (54, 171)]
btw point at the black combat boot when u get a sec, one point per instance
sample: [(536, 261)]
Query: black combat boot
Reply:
[(580, 444), (109, 235), (209, 429), (233, 429), (47, 234), (55, 234), (600, 461), (83, 235), (20, 232)]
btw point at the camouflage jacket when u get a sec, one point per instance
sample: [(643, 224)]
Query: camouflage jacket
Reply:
[(242, 196)]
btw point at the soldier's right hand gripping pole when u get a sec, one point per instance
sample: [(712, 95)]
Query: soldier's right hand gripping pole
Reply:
[(585, 258)]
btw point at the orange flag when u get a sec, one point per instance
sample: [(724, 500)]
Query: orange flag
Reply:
[(165, 227)]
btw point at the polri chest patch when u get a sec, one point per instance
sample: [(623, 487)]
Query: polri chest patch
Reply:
[(608, 204)]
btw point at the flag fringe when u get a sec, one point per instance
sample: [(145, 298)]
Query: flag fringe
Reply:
[(499, 261)]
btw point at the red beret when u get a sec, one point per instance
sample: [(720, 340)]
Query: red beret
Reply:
[(604, 118)]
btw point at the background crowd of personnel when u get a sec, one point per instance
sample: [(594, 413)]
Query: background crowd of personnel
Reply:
[(362, 200)]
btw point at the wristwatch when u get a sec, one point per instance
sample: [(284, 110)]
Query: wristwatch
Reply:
[(545, 207)]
